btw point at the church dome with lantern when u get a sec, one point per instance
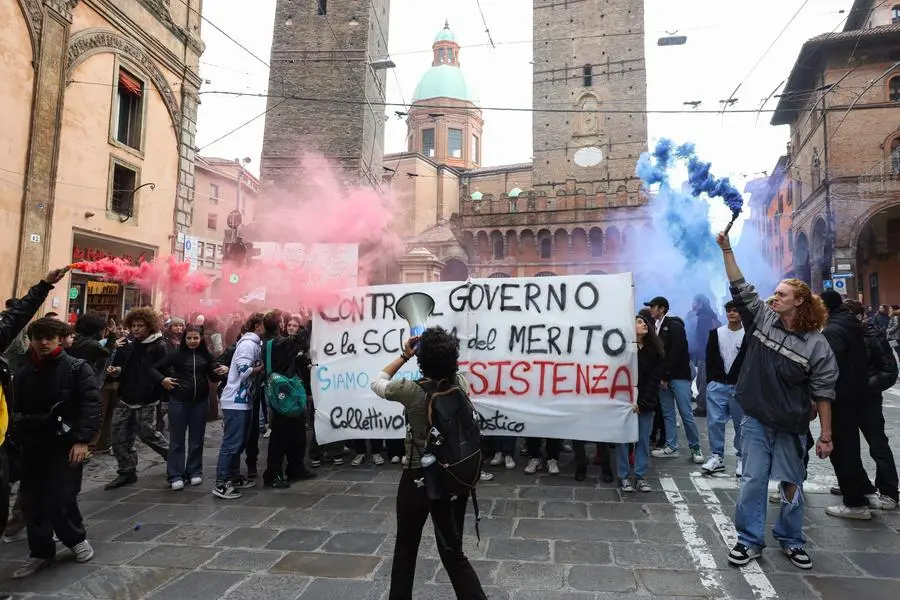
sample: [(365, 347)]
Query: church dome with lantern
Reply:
[(444, 122)]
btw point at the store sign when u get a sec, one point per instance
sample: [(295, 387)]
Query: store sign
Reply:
[(73, 293), (90, 249)]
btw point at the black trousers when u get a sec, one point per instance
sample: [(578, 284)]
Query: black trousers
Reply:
[(448, 517), (252, 448), (50, 488), (872, 426), (845, 458), (287, 442), (4, 486), (606, 452), (534, 448), (359, 446), (395, 448)]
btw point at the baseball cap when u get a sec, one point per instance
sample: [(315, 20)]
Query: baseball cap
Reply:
[(658, 301)]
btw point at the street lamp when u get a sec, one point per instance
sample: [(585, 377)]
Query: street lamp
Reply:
[(382, 63), (240, 178)]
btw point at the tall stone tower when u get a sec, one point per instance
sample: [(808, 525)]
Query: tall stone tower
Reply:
[(589, 58), (326, 50)]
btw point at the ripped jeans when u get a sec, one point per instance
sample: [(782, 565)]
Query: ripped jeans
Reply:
[(770, 454)]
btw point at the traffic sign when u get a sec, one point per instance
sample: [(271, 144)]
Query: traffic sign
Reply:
[(826, 285), (234, 278), (73, 293), (841, 275), (840, 286)]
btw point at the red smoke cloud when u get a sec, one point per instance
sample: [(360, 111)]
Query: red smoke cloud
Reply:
[(324, 211)]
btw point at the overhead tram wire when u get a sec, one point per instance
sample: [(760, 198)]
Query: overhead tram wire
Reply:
[(487, 29), (764, 54)]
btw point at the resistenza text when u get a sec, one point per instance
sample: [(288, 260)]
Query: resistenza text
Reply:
[(549, 378)]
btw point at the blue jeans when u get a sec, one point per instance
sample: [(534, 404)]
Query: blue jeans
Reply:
[(679, 394), (770, 454), (720, 405), (700, 368), (186, 418), (234, 438), (641, 449)]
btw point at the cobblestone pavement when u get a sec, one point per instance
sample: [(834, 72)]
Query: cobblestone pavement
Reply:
[(543, 538)]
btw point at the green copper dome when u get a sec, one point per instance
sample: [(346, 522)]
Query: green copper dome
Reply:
[(445, 35), (444, 81)]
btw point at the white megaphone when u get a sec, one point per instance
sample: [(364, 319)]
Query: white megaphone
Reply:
[(415, 308)]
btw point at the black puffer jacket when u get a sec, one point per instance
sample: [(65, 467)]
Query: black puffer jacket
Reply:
[(845, 335), (192, 369), (677, 363), (137, 386), (41, 385), (649, 375), (91, 351), (882, 364)]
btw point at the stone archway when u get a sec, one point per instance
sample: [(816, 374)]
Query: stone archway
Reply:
[(875, 246), (89, 42), (33, 12), (454, 270), (801, 258)]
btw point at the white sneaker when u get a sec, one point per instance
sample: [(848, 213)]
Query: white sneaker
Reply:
[(357, 460), (31, 566), (553, 467), (510, 463), (697, 456), (485, 476), (859, 513), (878, 501), (177, 485), (196, 480), (533, 465), (497, 460), (664, 453), (739, 468), (83, 551), (715, 464), (378, 459), (268, 433), (395, 460), (404, 461)]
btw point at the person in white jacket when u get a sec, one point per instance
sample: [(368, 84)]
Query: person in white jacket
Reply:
[(236, 403)]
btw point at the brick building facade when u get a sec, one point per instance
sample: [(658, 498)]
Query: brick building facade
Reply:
[(842, 103)]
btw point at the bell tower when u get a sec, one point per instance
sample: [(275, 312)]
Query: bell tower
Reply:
[(578, 67), (326, 90)]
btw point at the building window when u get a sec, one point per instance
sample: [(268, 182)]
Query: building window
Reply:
[(587, 74), (476, 149), (895, 14), (513, 205), (454, 143), (121, 199), (546, 247), (894, 89), (322, 7), (130, 110), (213, 193), (212, 221), (895, 156), (498, 249), (219, 252), (428, 142)]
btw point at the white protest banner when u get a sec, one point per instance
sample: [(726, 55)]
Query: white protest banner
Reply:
[(547, 357)]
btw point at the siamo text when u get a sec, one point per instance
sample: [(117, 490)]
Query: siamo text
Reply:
[(549, 378), (349, 381)]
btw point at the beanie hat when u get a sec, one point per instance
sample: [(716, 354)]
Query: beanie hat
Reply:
[(832, 300)]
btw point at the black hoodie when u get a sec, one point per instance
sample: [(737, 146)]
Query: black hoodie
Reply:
[(845, 335), (677, 363), (882, 364), (137, 386)]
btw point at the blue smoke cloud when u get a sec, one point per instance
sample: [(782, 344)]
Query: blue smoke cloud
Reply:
[(685, 260)]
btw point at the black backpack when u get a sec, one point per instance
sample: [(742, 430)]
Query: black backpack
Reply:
[(454, 438)]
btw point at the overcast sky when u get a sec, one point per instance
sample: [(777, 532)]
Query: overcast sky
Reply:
[(725, 39)]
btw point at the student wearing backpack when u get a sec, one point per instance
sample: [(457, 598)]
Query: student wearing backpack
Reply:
[(441, 390), (286, 396), (57, 404)]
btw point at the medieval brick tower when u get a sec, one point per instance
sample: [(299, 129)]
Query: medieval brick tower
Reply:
[(326, 89), (588, 57)]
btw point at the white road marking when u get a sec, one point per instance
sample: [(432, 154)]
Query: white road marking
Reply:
[(706, 564), (816, 484), (753, 573)]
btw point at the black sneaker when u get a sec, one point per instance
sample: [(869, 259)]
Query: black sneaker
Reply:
[(120, 481), (302, 475), (799, 557), (315, 463), (741, 555), (225, 491), (580, 472), (252, 473), (243, 483), (835, 490), (279, 483)]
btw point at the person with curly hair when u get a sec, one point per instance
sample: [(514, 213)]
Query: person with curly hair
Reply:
[(789, 373), (437, 352), (139, 394)]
